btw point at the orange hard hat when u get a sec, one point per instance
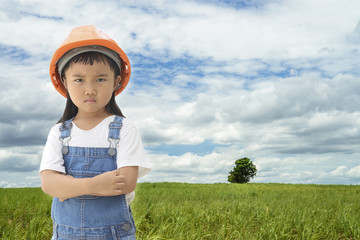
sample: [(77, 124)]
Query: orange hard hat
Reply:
[(79, 38)]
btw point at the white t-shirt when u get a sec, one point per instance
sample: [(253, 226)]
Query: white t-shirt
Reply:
[(130, 150)]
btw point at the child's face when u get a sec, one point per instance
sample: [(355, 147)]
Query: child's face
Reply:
[(90, 86)]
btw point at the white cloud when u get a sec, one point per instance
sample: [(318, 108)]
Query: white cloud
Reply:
[(345, 174), (213, 167), (354, 172), (340, 171), (284, 29), (16, 159)]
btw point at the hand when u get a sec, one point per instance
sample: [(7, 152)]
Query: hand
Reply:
[(108, 184)]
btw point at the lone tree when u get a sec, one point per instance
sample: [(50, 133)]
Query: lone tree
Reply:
[(244, 170)]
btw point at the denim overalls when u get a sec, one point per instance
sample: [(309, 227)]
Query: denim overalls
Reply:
[(91, 217)]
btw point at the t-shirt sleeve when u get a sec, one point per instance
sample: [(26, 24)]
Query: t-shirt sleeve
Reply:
[(130, 150), (52, 158)]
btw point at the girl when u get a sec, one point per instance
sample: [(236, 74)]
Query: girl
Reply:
[(93, 156)]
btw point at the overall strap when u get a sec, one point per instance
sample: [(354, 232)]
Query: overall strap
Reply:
[(114, 134), (65, 129), (115, 127)]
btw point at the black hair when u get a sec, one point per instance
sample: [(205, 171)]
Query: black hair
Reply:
[(89, 58)]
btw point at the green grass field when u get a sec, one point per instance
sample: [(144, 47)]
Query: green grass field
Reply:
[(209, 211)]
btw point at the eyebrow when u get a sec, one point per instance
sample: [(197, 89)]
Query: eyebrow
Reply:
[(78, 75), (103, 75)]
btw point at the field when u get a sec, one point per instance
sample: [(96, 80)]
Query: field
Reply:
[(209, 211)]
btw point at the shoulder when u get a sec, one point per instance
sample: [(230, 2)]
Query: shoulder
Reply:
[(129, 132), (128, 129), (55, 130), (125, 121), (128, 123)]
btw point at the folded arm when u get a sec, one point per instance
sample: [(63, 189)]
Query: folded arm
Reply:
[(117, 182)]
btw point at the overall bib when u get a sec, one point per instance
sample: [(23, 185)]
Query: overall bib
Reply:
[(91, 217)]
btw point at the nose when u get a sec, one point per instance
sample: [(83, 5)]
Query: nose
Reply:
[(90, 89)]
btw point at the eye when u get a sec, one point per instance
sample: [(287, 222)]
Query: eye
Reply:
[(101, 80), (78, 80)]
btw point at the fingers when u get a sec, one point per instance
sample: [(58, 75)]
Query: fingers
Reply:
[(119, 176), (109, 183), (117, 172), (119, 182), (118, 188), (120, 185)]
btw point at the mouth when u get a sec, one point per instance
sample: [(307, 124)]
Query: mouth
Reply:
[(90, 101)]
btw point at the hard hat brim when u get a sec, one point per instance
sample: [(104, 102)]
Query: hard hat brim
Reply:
[(94, 48)]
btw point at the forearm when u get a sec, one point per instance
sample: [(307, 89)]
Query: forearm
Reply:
[(117, 182), (130, 178), (63, 186)]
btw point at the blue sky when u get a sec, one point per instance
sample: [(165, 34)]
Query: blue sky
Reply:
[(212, 81)]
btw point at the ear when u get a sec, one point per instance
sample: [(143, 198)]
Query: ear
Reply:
[(117, 82)]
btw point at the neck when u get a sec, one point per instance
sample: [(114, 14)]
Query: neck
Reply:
[(86, 121)]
